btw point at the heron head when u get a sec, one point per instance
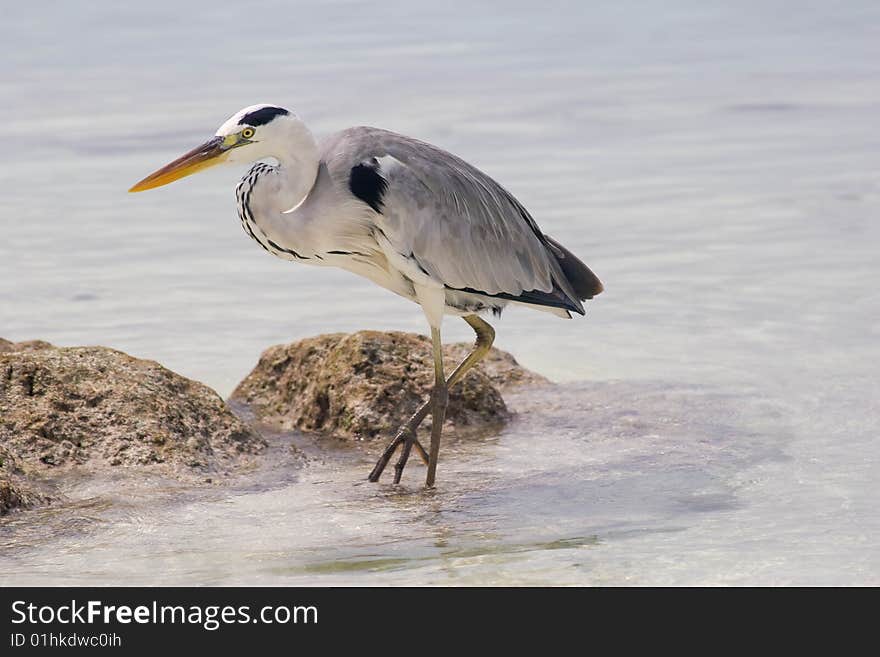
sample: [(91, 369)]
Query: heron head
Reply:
[(250, 134)]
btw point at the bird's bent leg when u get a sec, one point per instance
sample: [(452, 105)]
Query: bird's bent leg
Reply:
[(439, 398), (485, 338)]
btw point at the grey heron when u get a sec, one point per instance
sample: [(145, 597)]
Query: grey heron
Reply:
[(406, 215)]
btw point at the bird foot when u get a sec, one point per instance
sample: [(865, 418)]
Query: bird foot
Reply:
[(406, 436)]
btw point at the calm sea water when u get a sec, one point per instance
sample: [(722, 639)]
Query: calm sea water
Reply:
[(717, 164)]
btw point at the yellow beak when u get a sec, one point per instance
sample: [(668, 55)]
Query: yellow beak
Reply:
[(212, 152)]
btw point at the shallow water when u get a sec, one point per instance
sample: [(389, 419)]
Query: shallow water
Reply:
[(716, 165)]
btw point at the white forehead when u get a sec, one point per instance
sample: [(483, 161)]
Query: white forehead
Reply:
[(234, 123)]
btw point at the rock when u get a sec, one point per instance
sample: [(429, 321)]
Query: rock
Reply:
[(11, 496), (28, 345), (365, 385), (499, 366), (95, 406), (15, 490)]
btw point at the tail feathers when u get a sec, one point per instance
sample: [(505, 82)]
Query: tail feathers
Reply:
[(582, 280)]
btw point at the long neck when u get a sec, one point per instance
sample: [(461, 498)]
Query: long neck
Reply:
[(267, 194), (297, 170)]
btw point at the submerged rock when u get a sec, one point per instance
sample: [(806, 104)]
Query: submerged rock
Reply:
[(15, 489), (100, 407), (365, 385)]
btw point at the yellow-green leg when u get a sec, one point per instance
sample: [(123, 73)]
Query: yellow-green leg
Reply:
[(439, 399), (407, 433)]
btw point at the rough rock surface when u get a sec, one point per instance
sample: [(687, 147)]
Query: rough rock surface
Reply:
[(499, 366), (28, 345), (365, 385), (15, 489), (101, 407)]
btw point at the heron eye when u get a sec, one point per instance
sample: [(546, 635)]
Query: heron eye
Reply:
[(247, 133)]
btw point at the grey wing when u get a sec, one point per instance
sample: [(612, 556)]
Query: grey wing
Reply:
[(455, 223)]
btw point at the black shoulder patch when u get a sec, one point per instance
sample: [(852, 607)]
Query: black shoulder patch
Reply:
[(262, 116), (367, 184)]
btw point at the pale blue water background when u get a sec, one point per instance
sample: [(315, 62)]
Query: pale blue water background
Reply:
[(717, 164)]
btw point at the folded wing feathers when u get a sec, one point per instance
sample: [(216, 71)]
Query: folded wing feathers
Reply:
[(459, 225)]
